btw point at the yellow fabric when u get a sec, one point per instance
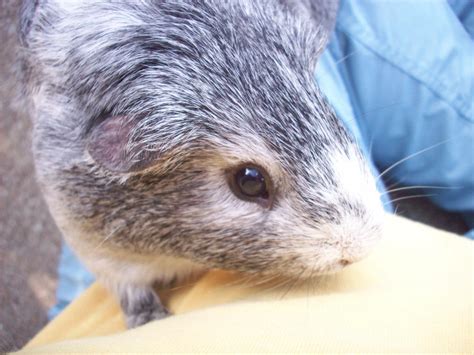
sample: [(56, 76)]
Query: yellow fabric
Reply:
[(413, 294)]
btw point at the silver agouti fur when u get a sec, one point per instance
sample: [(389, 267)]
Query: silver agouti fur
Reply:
[(142, 107)]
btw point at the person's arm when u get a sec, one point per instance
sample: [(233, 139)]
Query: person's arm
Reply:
[(408, 73)]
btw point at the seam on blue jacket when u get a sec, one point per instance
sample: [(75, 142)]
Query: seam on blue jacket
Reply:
[(415, 71)]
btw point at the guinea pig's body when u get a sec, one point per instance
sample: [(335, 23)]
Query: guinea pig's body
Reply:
[(176, 136)]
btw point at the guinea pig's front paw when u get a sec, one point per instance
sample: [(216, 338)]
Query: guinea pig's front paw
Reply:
[(137, 319), (141, 305)]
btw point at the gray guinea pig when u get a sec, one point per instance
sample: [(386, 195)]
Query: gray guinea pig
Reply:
[(173, 137)]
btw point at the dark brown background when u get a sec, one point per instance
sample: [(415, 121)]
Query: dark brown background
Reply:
[(29, 240)]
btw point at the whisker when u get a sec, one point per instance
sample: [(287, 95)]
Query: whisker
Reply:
[(259, 281), (318, 281), (308, 291), (407, 198), (174, 288), (278, 285), (297, 279), (356, 118), (420, 187), (378, 108), (248, 282), (345, 57), (339, 62), (396, 210), (106, 238), (393, 185), (391, 167), (244, 281), (371, 145)]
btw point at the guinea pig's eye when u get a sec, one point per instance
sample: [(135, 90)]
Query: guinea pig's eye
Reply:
[(250, 183)]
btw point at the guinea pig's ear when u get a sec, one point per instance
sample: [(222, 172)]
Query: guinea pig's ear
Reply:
[(112, 146)]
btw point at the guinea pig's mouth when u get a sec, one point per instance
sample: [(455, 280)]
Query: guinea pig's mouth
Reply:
[(341, 264), (334, 267)]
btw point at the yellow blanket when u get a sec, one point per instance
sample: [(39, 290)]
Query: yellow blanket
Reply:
[(413, 294)]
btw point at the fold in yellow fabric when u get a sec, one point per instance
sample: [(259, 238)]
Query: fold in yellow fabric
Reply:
[(414, 293)]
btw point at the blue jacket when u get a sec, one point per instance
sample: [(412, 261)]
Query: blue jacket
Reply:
[(400, 74)]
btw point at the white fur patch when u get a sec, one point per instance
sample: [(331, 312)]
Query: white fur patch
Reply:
[(355, 182)]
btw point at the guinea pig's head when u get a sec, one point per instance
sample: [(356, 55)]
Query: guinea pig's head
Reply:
[(205, 136)]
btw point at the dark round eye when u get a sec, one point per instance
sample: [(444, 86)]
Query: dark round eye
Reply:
[(251, 183)]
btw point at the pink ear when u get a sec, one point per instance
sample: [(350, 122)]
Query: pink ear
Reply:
[(109, 146)]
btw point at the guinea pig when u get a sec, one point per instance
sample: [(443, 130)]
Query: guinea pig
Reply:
[(175, 136)]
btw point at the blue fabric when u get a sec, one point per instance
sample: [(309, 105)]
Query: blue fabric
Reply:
[(73, 279), (406, 68), (400, 74), (464, 10)]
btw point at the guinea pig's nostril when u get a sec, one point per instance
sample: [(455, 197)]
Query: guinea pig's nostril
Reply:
[(345, 262)]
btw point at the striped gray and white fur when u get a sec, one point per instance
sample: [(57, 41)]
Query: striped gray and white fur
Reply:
[(151, 117)]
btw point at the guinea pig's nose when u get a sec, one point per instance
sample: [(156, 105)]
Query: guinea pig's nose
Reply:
[(351, 255), (352, 252), (345, 262)]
